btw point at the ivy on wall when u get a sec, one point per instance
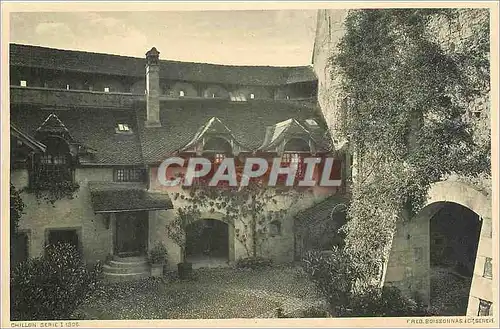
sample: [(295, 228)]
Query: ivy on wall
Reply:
[(246, 209), (405, 114)]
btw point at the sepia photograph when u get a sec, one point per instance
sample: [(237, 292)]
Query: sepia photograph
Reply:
[(310, 162)]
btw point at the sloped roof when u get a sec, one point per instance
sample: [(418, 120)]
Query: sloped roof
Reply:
[(28, 140), (91, 127), (181, 121), (116, 197), (277, 132), (88, 62), (322, 211)]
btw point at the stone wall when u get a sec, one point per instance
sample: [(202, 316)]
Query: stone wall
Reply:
[(94, 237), (280, 248)]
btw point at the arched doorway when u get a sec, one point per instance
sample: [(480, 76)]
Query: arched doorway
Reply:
[(208, 243), (410, 266), (454, 232)]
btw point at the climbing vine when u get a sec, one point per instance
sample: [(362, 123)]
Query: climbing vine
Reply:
[(246, 209), (405, 114), (52, 188)]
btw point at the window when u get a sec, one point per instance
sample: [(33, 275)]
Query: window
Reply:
[(311, 122), (57, 236), (23, 83), (106, 89), (238, 98), (129, 175), (484, 308), (252, 96), (219, 157), (181, 93), (275, 228), (287, 97), (55, 164), (67, 87), (488, 268), (123, 127), (213, 95)]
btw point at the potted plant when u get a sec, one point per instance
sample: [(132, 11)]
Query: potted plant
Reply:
[(177, 230), (157, 259)]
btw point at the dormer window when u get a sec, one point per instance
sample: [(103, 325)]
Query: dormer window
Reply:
[(106, 89), (23, 83), (55, 164), (181, 93), (123, 128), (252, 96)]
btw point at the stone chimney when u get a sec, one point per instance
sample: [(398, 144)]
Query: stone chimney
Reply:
[(153, 88)]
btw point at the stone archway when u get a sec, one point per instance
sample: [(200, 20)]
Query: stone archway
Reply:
[(408, 266), (210, 241)]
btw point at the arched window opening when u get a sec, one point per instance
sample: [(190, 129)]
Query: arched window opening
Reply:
[(217, 145)]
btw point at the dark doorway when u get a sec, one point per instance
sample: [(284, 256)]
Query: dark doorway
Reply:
[(20, 245), (207, 239), (69, 236), (454, 238), (131, 233)]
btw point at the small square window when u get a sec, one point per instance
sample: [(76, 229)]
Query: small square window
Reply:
[(23, 83), (123, 127), (67, 87), (275, 228), (181, 93), (252, 96), (213, 95), (219, 157), (106, 89), (287, 97)]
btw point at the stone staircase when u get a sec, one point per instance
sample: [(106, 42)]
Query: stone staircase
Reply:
[(119, 269)]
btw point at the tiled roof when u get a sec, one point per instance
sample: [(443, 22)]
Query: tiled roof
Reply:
[(321, 211), (95, 128), (92, 128), (113, 197), (247, 121), (80, 61), (28, 140)]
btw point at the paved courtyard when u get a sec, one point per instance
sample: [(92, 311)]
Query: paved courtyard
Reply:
[(214, 293)]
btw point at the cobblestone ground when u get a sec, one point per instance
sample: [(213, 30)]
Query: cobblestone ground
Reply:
[(449, 292), (215, 293)]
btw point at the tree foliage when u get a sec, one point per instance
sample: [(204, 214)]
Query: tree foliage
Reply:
[(405, 114)]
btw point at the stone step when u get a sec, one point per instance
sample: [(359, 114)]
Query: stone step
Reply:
[(108, 268), (132, 259), (114, 263), (120, 277)]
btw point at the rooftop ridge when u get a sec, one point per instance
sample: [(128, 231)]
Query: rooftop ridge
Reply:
[(161, 60)]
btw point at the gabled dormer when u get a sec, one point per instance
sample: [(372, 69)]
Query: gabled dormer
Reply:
[(288, 136), (214, 139)]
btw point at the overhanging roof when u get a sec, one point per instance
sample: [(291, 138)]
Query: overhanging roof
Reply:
[(109, 197)]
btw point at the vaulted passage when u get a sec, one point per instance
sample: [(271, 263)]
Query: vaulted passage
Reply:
[(454, 237), (207, 243)]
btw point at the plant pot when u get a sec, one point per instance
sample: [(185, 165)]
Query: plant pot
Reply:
[(157, 270), (185, 270)]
